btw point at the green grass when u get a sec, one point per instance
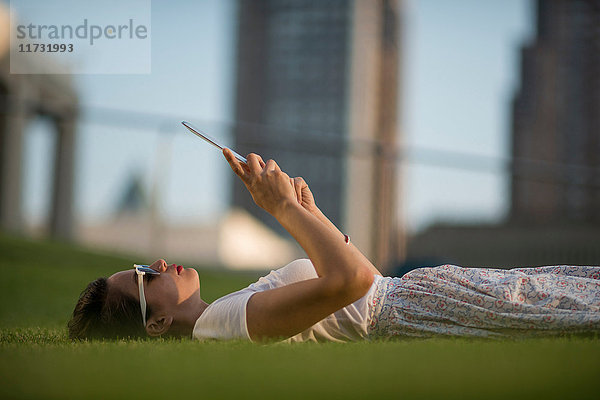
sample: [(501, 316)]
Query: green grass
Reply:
[(40, 282)]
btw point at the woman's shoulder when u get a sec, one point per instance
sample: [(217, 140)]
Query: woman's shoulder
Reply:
[(296, 271), (225, 318)]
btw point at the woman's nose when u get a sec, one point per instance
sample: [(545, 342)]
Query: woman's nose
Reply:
[(159, 265)]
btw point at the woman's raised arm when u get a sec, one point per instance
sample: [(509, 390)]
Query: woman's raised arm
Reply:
[(344, 273), (306, 199)]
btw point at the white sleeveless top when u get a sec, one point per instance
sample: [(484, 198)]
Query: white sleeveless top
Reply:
[(225, 318)]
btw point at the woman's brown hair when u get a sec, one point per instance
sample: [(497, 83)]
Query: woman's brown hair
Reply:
[(97, 316)]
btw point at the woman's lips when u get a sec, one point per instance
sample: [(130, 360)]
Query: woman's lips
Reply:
[(179, 269)]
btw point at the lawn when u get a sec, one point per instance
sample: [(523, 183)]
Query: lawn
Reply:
[(41, 281)]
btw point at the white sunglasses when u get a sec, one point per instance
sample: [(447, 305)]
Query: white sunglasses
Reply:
[(142, 270)]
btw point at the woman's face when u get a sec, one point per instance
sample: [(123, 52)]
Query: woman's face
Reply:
[(164, 293)]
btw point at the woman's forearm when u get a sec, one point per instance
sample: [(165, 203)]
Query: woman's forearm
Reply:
[(327, 222), (323, 218), (325, 246)]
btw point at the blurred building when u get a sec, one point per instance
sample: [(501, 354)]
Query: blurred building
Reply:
[(317, 90), (237, 241), (504, 246), (556, 117), (555, 208), (137, 227), (23, 98)]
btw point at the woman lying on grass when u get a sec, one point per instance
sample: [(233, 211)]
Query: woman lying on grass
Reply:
[(338, 294)]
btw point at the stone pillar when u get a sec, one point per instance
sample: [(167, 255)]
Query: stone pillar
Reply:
[(389, 227), (12, 126), (372, 177), (62, 210), (360, 217)]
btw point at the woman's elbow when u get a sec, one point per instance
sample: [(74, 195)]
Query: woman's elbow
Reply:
[(363, 281), (352, 285)]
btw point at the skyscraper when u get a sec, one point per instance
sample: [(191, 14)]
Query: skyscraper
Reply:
[(317, 85), (556, 117)]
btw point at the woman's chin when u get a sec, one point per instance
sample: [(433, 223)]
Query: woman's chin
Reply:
[(190, 281), (194, 272), (196, 277)]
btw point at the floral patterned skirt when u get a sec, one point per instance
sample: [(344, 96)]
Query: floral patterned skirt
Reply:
[(456, 301)]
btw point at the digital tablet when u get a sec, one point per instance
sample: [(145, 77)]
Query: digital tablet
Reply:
[(210, 140)]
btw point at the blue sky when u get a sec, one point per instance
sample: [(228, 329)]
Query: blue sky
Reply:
[(460, 72)]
